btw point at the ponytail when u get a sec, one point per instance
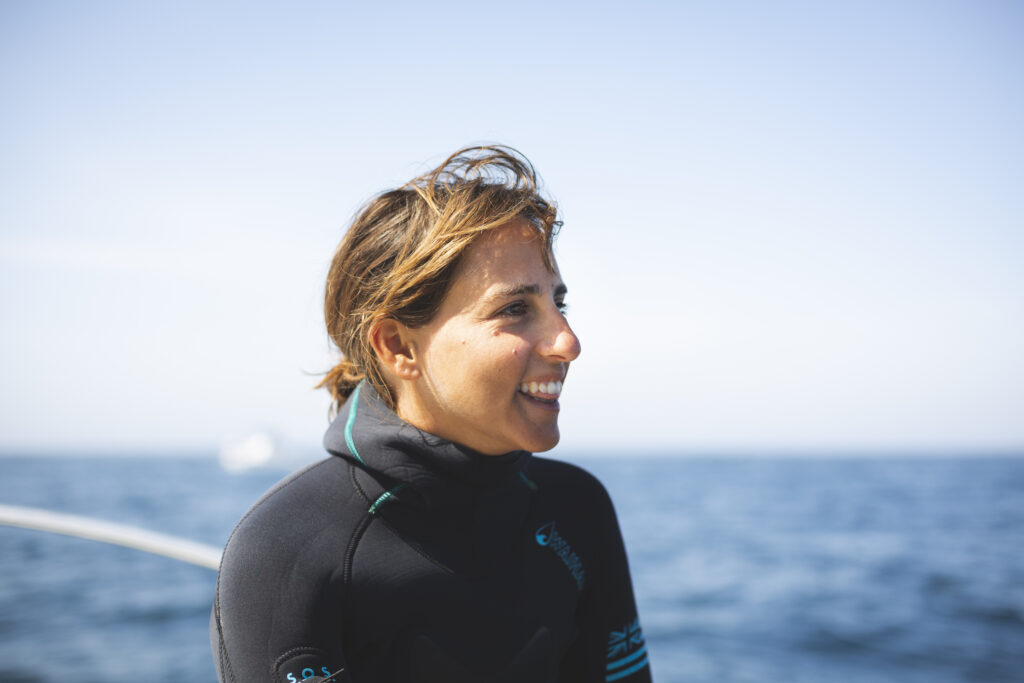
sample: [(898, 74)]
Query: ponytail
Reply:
[(341, 381)]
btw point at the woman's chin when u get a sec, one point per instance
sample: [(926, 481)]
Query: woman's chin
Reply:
[(538, 443)]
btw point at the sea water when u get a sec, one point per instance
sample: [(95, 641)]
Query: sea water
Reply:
[(745, 569)]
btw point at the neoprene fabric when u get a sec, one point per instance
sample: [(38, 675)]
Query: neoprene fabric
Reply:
[(405, 557)]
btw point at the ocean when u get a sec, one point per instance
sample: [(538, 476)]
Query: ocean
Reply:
[(749, 569)]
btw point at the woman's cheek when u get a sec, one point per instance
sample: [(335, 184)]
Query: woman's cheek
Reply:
[(520, 350)]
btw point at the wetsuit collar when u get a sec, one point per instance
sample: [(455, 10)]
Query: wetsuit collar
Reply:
[(434, 470)]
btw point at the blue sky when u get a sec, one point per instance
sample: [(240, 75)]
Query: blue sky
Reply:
[(793, 226)]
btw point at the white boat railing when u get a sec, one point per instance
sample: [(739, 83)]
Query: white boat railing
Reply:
[(111, 532)]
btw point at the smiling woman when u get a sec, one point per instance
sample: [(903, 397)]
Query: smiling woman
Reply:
[(432, 545), (485, 370)]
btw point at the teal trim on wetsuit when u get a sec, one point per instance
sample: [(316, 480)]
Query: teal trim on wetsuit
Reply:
[(383, 498), (407, 558), (351, 421)]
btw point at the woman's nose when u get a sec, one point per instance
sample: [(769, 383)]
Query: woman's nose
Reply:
[(564, 345)]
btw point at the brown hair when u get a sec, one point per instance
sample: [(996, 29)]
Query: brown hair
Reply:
[(400, 254)]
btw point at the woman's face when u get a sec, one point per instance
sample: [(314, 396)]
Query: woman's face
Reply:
[(492, 360)]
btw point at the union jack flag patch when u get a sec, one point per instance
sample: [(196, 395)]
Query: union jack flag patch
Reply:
[(627, 653)]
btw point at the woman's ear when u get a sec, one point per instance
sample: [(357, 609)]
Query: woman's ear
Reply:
[(391, 342)]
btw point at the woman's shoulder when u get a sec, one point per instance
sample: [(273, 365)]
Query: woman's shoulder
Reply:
[(298, 507), (565, 478)]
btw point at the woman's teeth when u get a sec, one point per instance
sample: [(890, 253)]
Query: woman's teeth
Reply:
[(546, 388)]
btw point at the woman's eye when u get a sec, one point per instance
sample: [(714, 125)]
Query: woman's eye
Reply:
[(562, 306), (513, 310)]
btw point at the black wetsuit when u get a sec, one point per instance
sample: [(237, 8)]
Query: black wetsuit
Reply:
[(410, 558)]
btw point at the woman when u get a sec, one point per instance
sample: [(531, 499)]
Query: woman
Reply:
[(431, 545)]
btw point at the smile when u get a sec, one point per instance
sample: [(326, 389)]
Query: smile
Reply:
[(544, 391)]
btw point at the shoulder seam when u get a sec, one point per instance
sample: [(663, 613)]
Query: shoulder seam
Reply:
[(357, 531)]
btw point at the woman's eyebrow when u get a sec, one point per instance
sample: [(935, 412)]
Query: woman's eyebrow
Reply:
[(519, 290)]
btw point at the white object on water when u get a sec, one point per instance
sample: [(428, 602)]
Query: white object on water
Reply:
[(255, 450), (110, 532), (263, 450)]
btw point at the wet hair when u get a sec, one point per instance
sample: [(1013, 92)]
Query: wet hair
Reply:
[(399, 257)]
